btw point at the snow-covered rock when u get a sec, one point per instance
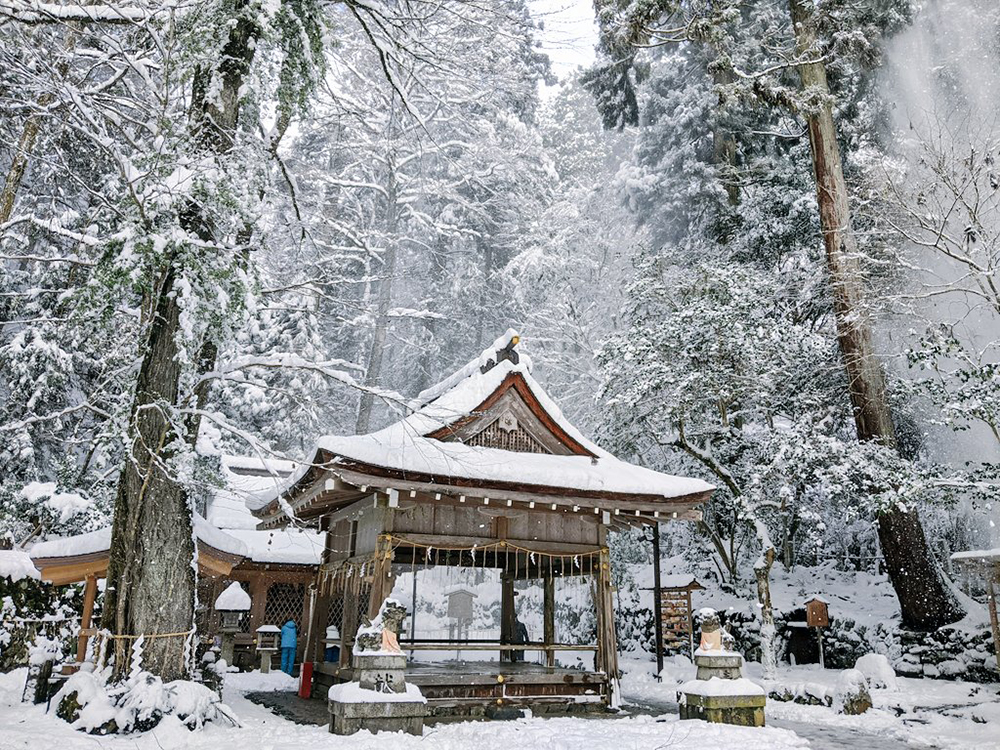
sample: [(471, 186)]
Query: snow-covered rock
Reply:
[(851, 694)]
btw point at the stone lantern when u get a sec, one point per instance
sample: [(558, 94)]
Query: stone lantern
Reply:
[(268, 637), (231, 604)]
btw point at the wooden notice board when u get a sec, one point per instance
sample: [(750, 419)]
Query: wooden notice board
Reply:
[(676, 618)]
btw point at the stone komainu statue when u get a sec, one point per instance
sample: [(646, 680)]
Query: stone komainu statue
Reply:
[(381, 635)]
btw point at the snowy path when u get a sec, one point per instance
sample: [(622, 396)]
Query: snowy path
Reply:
[(24, 727), (652, 724), (924, 714), (819, 736)]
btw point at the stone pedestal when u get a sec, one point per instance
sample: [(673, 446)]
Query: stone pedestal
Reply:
[(396, 716), (383, 673), (720, 694), (725, 666), (741, 710), (379, 699)]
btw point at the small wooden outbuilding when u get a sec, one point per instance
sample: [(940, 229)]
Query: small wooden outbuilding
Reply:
[(985, 563), (484, 473)]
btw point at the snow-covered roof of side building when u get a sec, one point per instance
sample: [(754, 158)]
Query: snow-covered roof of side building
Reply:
[(244, 477), (287, 546), (488, 426), (99, 542)]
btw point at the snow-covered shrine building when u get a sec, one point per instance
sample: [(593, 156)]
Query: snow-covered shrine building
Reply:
[(276, 568), (486, 475)]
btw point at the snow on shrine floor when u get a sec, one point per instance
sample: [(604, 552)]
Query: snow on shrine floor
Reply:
[(935, 714)]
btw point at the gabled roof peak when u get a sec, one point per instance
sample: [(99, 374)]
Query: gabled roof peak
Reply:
[(501, 350)]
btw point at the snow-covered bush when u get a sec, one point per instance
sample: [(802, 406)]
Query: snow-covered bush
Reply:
[(93, 705), (877, 669), (31, 609)]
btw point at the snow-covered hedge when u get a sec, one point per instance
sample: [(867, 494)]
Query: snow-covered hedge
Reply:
[(93, 705), (31, 609)]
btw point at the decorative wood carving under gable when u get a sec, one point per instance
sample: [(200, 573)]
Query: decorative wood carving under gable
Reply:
[(512, 419)]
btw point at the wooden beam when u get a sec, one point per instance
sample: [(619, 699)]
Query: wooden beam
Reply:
[(444, 541)]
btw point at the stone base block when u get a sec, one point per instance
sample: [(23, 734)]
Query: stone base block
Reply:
[(396, 716), (381, 672), (741, 710), (723, 666)]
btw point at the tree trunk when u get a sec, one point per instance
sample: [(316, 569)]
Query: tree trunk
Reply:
[(151, 579), (151, 574), (768, 654), (926, 600), (373, 372)]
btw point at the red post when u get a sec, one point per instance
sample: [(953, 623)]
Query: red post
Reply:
[(305, 679)]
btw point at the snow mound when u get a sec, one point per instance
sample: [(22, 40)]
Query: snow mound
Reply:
[(719, 687), (92, 705), (879, 672), (352, 692), (17, 565)]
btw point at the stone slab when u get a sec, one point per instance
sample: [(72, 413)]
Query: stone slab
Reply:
[(397, 716), (725, 701), (722, 661), (744, 716)]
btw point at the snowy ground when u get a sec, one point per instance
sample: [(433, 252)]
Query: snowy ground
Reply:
[(24, 726), (921, 714), (934, 714)]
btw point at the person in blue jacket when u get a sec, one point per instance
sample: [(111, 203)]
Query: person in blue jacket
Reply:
[(289, 636)]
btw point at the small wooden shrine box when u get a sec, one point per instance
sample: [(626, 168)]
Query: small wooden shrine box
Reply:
[(817, 612)]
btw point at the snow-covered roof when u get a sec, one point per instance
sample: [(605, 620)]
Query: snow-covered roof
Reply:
[(99, 541), (289, 546), (71, 546), (16, 565), (244, 477), (411, 447), (816, 598), (678, 581)]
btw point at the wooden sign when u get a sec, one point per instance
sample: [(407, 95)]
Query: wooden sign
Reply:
[(675, 614), (817, 613)]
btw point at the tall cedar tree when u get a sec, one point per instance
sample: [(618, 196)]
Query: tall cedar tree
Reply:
[(926, 599)]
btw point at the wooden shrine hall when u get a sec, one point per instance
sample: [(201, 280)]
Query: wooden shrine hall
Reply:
[(484, 473)]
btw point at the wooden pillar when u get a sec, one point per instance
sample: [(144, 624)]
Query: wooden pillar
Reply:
[(991, 594), (308, 635), (507, 614), (657, 600), (258, 601), (89, 595), (349, 626), (321, 617), (549, 618), (607, 642)]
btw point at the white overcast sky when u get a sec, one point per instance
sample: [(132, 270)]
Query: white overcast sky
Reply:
[(569, 33)]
